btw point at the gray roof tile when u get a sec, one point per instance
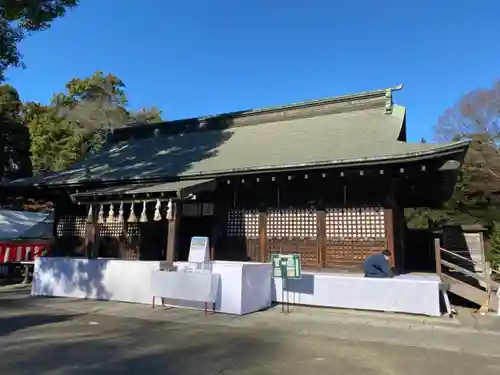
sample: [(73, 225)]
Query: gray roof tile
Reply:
[(356, 135)]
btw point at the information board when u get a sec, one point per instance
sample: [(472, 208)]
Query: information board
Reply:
[(286, 266), (199, 250)]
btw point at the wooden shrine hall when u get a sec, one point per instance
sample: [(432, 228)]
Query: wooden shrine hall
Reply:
[(328, 178)]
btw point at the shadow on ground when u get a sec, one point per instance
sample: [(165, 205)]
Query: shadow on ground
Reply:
[(153, 348), (10, 324)]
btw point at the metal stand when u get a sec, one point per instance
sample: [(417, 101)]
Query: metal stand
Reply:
[(285, 296)]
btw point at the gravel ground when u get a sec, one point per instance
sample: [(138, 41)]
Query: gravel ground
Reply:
[(38, 337)]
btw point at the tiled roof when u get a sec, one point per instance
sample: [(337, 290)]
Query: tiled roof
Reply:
[(351, 131)]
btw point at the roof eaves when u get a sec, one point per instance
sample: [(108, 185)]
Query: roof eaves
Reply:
[(439, 150)]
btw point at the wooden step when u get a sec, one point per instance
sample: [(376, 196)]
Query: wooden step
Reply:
[(465, 290)]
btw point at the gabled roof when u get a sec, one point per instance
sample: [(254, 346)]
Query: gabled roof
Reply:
[(356, 129)]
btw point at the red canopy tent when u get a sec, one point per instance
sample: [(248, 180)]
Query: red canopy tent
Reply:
[(24, 235)]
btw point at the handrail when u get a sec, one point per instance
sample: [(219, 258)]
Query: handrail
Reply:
[(463, 271), (457, 255)]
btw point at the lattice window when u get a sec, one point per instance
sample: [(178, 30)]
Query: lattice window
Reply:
[(71, 226), (133, 229), (292, 223), (365, 222), (111, 229), (243, 223)]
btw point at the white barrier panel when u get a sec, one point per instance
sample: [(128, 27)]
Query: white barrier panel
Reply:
[(413, 294), (243, 287), (103, 279), (195, 287)]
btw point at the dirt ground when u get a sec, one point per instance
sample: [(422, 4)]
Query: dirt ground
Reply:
[(54, 336)]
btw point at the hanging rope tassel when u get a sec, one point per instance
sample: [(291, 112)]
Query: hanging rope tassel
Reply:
[(144, 218), (157, 216), (100, 216), (111, 214), (131, 217), (120, 213), (170, 214), (90, 215)]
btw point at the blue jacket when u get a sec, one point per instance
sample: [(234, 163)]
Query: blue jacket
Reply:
[(377, 266)]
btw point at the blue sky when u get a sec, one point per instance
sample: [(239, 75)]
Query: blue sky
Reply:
[(201, 57)]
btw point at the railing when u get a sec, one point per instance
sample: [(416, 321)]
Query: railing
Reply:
[(488, 271)]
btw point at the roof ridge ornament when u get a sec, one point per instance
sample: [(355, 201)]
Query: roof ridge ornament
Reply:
[(388, 101), (388, 98)]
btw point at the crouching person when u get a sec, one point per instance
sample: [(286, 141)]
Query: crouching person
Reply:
[(377, 265)]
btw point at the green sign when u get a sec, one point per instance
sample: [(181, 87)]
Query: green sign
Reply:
[(286, 266)]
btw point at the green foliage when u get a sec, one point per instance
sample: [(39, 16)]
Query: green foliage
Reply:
[(55, 143), (146, 116), (35, 15), (9, 54), (76, 121), (20, 16), (14, 136), (476, 199), (494, 246)]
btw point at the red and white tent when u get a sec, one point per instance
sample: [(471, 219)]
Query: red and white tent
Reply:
[(24, 235)]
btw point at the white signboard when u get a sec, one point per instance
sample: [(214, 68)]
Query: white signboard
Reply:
[(199, 250)]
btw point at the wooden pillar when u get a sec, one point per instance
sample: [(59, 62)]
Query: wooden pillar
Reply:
[(96, 239), (389, 222), (125, 248), (262, 235), (437, 255), (173, 232), (321, 222), (215, 230), (90, 235), (389, 232), (89, 239)]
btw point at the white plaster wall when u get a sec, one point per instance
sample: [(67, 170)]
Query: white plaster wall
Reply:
[(104, 279), (413, 294)]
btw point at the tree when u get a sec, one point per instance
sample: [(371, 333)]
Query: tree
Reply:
[(20, 16), (97, 104), (475, 117), (494, 246), (55, 143), (14, 136), (61, 133), (150, 115), (94, 105)]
